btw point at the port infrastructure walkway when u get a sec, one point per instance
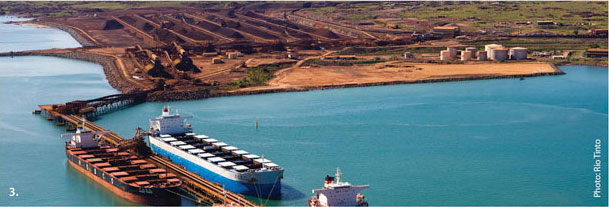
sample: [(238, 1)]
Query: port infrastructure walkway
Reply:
[(204, 191)]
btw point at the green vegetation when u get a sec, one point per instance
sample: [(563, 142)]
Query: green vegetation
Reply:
[(130, 4), (258, 76), (103, 5), (361, 17), (570, 16), (339, 62), (69, 8), (581, 61), (496, 12), (325, 10), (568, 12), (354, 11)]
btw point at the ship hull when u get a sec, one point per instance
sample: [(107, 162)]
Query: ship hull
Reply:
[(150, 196), (259, 184)]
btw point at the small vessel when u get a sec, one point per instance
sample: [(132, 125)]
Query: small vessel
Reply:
[(119, 171), (337, 193), (236, 170)]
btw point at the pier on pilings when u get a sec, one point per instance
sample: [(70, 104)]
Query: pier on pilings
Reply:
[(91, 109), (193, 186)]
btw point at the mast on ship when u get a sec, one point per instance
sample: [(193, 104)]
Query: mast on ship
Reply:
[(338, 175)]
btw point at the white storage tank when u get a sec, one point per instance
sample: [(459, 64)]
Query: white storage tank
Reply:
[(473, 50), (481, 55), (518, 53), (452, 51), (500, 54), (444, 55), (466, 55), (489, 50)]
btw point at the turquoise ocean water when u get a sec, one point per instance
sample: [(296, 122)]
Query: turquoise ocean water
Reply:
[(488, 142)]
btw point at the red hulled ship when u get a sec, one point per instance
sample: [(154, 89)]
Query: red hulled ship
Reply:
[(121, 172)]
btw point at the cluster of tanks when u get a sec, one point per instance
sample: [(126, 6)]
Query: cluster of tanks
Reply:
[(491, 52)]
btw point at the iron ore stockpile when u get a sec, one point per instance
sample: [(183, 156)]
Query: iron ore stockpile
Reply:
[(127, 167), (167, 51), (197, 50)]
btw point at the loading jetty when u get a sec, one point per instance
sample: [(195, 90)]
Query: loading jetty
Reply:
[(193, 186)]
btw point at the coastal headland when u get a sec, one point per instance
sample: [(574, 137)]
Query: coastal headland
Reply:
[(176, 52), (302, 78), (397, 72)]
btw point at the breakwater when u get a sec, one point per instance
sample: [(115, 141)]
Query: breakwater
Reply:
[(177, 95)]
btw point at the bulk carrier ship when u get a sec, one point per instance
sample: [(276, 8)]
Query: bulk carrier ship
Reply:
[(237, 170), (120, 172)]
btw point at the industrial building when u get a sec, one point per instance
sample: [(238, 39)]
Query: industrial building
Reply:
[(598, 32), (445, 31), (231, 55), (408, 55), (217, 60), (292, 55), (209, 54), (518, 53), (597, 53), (545, 23)]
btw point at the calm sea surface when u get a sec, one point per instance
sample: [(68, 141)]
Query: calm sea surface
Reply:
[(488, 142)]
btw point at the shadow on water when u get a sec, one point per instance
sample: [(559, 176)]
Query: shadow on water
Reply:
[(290, 196), (289, 193), (91, 189)]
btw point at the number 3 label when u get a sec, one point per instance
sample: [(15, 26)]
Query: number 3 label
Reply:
[(12, 193)]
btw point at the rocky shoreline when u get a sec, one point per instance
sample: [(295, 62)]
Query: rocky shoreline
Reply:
[(203, 94), (353, 85), (119, 82), (109, 65), (80, 38)]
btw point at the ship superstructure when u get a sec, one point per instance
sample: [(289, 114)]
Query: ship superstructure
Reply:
[(237, 170), (337, 193), (119, 171)]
